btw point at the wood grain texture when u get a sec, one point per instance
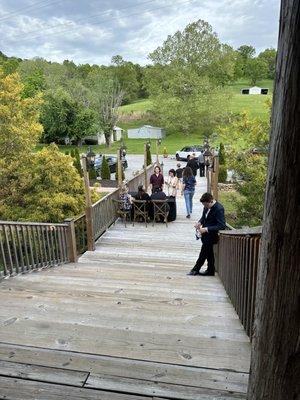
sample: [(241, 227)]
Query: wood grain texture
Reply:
[(128, 315)]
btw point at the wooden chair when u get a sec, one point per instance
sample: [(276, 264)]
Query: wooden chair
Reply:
[(121, 213), (140, 210), (160, 210)]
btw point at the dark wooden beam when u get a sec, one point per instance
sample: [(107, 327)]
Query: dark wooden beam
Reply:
[(275, 363)]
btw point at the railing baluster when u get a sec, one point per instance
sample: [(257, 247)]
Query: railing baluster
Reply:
[(3, 255)]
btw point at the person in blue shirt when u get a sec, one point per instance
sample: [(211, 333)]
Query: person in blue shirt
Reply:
[(188, 187), (209, 225)]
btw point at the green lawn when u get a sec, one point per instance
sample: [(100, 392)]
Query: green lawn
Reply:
[(140, 105), (254, 104)]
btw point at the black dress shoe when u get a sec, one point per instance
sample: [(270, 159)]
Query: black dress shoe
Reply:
[(207, 273), (193, 272)]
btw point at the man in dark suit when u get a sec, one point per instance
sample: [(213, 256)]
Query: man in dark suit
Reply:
[(212, 220), (193, 164)]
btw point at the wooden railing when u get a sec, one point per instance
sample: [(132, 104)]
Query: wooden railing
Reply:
[(27, 246), (237, 261), (104, 212)]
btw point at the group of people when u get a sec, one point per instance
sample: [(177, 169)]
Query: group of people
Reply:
[(183, 180)]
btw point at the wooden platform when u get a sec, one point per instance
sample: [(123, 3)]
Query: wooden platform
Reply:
[(124, 323)]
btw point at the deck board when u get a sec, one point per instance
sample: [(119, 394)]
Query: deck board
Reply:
[(128, 320)]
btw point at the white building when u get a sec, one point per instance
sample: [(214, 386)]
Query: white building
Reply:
[(255, 90), (146, 132), (99, 137)]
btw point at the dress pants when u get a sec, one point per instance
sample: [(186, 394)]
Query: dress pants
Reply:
[(206, 253)]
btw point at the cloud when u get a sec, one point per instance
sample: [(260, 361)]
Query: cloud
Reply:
[(93, 31)]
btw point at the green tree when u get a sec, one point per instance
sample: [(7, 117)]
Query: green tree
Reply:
[(256, 69), (197, 47), (126, 74), (62, 117), (241, 135), (20, 129), (106, 98), (105, 172), (55, 191), (269, 56), (243, 55), (42, 186), (184, 83)]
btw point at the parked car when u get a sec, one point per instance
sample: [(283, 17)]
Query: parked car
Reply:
[(112, 163), (188, 150)]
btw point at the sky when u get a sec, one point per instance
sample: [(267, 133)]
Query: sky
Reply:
[(92, 31)]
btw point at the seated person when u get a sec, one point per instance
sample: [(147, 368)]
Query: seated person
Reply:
[(158, 194), (142, 194), (125, 198)]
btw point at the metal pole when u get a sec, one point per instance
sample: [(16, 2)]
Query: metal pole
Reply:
[(88, 207)]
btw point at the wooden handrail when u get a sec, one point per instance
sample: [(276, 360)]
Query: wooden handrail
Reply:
[(27, 246), (237, 262)]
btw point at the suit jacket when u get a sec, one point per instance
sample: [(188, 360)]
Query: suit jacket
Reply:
[(193, 164), (214, 222)]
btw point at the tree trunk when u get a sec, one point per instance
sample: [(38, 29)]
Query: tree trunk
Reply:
[(275, 363), (107, 135)]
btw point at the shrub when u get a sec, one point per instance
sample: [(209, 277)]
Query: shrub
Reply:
[(222, 178), (92, 173), (222, 160), (105, 172), (165, 152), (149, 158)]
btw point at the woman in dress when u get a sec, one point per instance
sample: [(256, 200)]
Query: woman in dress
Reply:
[(188, 185)]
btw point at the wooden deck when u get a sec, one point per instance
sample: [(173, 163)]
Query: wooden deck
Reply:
[(125, 323)]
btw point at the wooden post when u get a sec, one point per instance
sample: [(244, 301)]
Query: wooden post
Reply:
[(216, 177), (119, 167), (275, 358), (71, 241), (145, 167), (208, 180), (157, 152), (88, 207)]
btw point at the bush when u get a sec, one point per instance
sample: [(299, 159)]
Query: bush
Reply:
[(92, 174), (165, 152), (105, 172), (222, 160), (222, 178), (149, 158)]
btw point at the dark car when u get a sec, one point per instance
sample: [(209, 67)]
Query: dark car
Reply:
[(187, 151), (112, 163)]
